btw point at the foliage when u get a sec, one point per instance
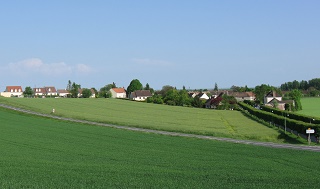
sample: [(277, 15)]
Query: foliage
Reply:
[(293, 121), (296, 96), (147, 87), (86, 93), (104, 92), (133, 86), (58, 154), (261, 90), (28, 92), (240, 89), (311, 85), (228, 102), (73, 89)]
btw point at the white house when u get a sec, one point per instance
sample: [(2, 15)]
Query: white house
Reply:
[(272, 95), (39, 91), (140, 95), (62, 92), (51, 91), (13, 91), (118, 93)]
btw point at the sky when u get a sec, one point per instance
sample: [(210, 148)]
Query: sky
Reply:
[(166, 42)]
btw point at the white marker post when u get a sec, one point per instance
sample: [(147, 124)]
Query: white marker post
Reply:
[(309, 131)]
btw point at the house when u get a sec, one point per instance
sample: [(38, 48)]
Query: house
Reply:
[(203, 96), (140, 95), (51, 91), (39, 91), (241, 96), (272, 95), (118, 93), (93, 94), (13, 91), (192, 94), (63, 93)]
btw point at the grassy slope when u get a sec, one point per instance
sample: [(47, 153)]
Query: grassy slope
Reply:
[(44, 153), (162, 117), (310, 106)]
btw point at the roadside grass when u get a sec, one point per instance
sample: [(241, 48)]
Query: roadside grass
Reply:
[(223, 123), (38, 152), (310, 107)]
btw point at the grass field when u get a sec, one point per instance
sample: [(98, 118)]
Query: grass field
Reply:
[(38, 152), (162, 117), (310, 106)]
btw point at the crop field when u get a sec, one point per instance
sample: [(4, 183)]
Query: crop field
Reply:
[(226, 123), (310, 106), (39, 152)]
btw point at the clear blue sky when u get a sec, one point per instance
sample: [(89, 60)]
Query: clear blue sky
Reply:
[(180, 43)]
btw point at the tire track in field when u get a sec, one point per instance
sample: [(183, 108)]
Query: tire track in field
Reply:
[(266, 144)]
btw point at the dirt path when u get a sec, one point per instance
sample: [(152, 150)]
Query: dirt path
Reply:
[(266, 144)]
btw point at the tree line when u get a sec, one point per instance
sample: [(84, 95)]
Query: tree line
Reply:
[(312, 86)]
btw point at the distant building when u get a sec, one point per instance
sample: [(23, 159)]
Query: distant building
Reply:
[(118, 93), (140, 95), (13, 91)]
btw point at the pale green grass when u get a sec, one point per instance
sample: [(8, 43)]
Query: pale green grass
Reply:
[(162, 117), (310, 106)]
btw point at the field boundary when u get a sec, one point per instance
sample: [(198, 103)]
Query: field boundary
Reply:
[(266, 144)]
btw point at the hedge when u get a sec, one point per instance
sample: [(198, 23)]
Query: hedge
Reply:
[(291, 121)]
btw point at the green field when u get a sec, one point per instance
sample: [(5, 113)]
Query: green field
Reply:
[(38, 152), (310, 106), (162, 117)]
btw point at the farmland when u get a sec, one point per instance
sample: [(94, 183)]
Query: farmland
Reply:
[(39, 152), (310, 106), (161, 117)]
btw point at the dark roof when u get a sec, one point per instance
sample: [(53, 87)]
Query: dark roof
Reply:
[(273, 94), (141, 93)]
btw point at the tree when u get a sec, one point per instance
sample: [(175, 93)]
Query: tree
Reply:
[(296, 96), (74, 90), (261, 91), (86, 93), (69, 86), (28, 92), (104, 92), (215, 87), (147, 87), (133, 86)]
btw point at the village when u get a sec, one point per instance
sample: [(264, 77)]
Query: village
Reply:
[(210, 98)]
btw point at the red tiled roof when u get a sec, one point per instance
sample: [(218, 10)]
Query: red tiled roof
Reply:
[(8, 88), (119, 90)]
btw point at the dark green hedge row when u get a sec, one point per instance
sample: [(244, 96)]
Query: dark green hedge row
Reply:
[(270, 116), (292, 115)]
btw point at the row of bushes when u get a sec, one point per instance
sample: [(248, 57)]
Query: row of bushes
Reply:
[(292, 115), (290, 120)]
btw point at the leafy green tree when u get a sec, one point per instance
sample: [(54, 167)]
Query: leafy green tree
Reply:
[(296, 96), (262, 90), (74, 90), (86, 93), (197, 102), (133, 86), (165, 89), (147, 87), (104, 92), (183, 98), (28, 92)]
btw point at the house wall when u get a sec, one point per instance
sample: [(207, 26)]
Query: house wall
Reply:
[(268, 99), (118, 95), (5, 94)]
